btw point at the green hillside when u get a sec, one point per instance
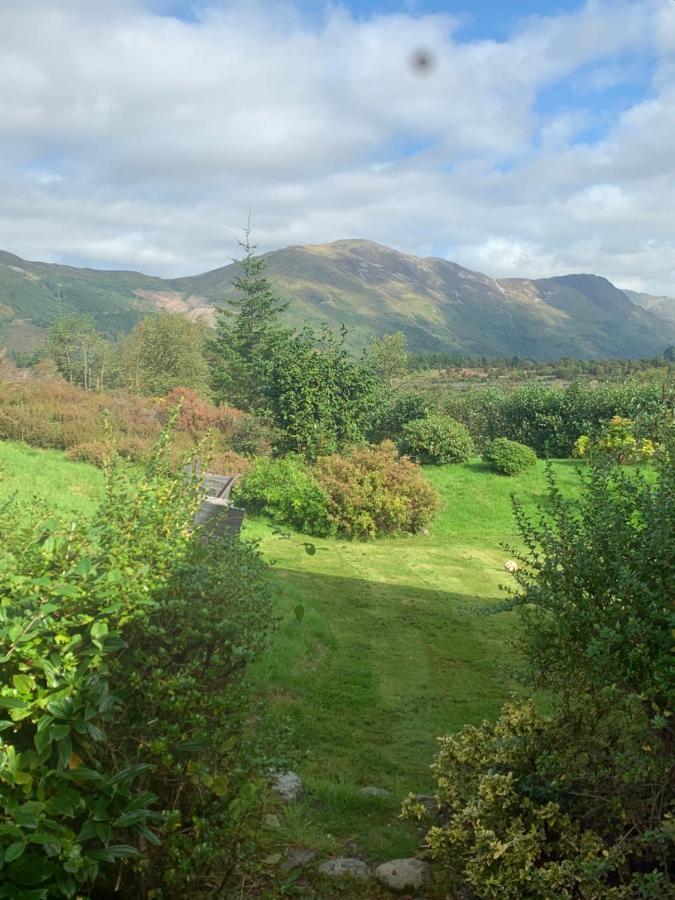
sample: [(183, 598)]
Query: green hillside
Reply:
[(372, 289)]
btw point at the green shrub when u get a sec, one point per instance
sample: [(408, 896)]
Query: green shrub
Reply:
[(123, 640), (286, 490), (437, 439), (372, 491), (524, 817), (406, 408), (549, 420), (509, 457)]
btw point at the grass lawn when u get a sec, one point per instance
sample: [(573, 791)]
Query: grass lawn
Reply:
[(391, 652), (66, 487)]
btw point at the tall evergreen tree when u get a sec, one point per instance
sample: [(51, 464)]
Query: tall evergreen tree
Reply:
[(247, 334)]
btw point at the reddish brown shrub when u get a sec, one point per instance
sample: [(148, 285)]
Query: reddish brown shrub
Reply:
[(371, 491)]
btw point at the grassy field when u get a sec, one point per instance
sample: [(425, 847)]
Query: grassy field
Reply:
[(66, 487), (391, 652), (381, 647)]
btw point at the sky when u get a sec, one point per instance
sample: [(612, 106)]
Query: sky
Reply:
[(516, 138)]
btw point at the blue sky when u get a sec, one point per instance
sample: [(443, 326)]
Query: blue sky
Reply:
[(138, 132)]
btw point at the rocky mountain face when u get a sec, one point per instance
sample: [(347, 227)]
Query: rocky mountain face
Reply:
[(372, 289)]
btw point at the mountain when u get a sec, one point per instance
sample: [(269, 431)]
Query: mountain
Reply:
[(373, 289), (663, 307)]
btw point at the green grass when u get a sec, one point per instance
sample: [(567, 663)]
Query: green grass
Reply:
[(66, 487), (391, 653)]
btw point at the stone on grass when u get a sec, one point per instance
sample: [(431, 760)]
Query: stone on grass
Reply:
[(271, 821), (287, 785), (401, 875), (345, 865), (296, 858), (370, 791)]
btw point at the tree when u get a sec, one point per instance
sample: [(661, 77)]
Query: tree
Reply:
[(80, 352), (320, 396), (165, 351), (247, 334), (389, 356)]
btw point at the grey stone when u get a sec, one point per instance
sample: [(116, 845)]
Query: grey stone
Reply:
[(296, 857), (345, 865), (370, 791), (287, 785), (401, 875)]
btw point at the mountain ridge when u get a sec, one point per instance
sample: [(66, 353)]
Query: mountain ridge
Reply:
[(373, 289)]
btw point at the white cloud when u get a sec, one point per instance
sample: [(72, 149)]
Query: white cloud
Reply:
[(134, 139)]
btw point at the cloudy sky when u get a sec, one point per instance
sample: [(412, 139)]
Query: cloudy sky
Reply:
[(538, 138)]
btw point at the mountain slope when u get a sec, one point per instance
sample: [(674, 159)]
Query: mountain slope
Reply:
[(663, 307), (438, 304)]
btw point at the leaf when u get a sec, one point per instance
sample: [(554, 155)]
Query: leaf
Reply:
[(23, 683), (299, 612), (83, 567), (13, 703), (99, 630), (14, 851)]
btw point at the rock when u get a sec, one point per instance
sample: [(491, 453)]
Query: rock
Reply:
[(344, 865), (287, 785), (370, 791), (296, 857), (511, 566), (402, 875)]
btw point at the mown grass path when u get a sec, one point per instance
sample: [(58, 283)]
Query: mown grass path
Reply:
[(392, 651)]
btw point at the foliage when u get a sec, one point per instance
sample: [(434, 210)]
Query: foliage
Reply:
[(247, 335), (80, 352), (164, 351), (186, 707), (509, 457), (437, 439), (79, 602), (581, 803), (372, 491), (366, 492), (617, 443), (550, 420), (404, 408), (517, 822), (321, 398), (63, 417), (388, 357), (287, 491)]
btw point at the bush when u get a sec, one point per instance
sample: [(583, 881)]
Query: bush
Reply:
[(63, 417), (509, 457), (405, 409), (119, 640), (617, 443), (549, 420), (522, 818), (581, 803), (437, 439), (285, 490), (371, 491)]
